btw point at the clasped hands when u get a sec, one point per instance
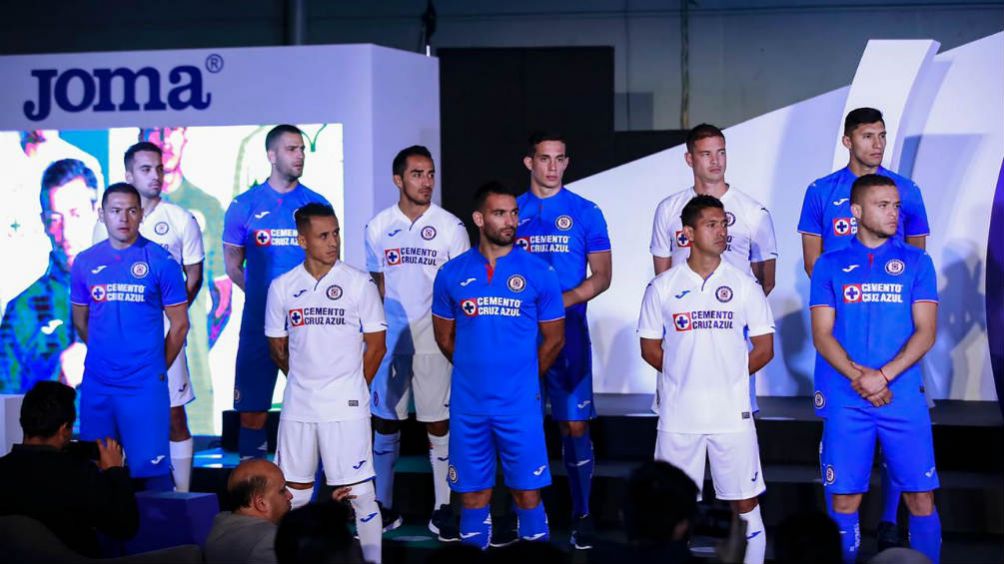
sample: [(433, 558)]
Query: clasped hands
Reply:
[(872, 385)]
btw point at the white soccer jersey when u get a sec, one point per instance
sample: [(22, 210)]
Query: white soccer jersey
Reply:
[(172, 227), (704, 384), (409, 255), (751, 230), (324, 320)]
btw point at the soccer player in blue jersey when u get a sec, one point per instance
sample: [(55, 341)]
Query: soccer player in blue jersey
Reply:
[(874, 311), (827, 224), (259, 244), (498, 316), (121, 289), (569, 232)]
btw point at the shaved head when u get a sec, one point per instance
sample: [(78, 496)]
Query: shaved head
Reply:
[(257, 488)]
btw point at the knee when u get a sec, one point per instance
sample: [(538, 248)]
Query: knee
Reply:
[(526, 499), (254, 419), (363, 498), (438, 428), (920, 504), (299, 485), (386, 426), (574, 428), (745, 505), (846, 503), (179, 425), (476, 500)]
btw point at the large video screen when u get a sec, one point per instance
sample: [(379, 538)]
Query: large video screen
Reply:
[(47, 219)]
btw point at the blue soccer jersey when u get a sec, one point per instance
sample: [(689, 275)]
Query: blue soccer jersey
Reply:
[(826, 210), (261, 221), (126, 291), (495, 365), (873, 292)]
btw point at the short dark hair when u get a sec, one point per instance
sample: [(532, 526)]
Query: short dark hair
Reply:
[(313, 209), (273, 135), (242, 492), (130, 153), (46, 407), (866, 182), (861, 116), (692, 211), (702, 131), (489, 188), (659, 497), (539, 136), (62, 171), (401, 159), (120, 188), (317, 532)]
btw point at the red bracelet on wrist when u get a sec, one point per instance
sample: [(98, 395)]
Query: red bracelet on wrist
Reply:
[(887, 380)]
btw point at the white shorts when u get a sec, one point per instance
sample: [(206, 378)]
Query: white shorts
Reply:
[(179, 382), (427, 374), (735, 460), (345, 448)]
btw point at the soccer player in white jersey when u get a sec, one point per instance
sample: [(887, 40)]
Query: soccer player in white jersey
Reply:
[(177, 230), (326, 330), (693, 320), (750, 246), (405, 246)]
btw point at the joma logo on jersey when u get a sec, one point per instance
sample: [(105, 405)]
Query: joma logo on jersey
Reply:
[(681, 321), (296, 317), (845, 226), (76, 90), (681, 239)]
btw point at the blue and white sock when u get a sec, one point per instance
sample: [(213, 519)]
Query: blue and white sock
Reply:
[(252, 443), (577, 453), (756, 537), (925, 535), (531, 524), (385, 452), (850, 534), (476, 526)]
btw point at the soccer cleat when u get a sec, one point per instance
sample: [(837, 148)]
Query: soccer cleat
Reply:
[(444, 525), (504, 531), (391, 519), (887, 535), (583, 533)]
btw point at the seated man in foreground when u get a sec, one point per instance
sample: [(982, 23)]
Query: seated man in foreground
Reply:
[(70, 495), (247, 534)]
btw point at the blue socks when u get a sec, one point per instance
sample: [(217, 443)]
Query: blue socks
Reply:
[(476, 526), (252, 443), (890, 497), (850, 534), (385, 452), (579, 462), (532, 523), (925, 535)]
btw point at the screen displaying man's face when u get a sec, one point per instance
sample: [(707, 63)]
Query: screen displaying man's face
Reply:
[(69, 222)]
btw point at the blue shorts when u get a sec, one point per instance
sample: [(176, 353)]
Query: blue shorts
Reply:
[(517, 439), (139, 418), (254, 379), (569, 381), (848, 447)]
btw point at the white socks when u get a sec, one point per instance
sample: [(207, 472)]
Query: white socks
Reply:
[(369, 523), (756, 537), (181, 463), (439, 457)]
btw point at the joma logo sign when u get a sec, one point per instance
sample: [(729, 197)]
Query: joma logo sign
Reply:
[(77, 90)]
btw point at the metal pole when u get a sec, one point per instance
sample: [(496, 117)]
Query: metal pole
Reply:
[(296, 22)]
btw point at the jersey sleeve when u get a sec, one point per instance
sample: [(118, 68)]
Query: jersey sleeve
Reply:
[(925, 284), (371, 315), (763, 245), (597, 237), (192, 249), (550, 305), (460, 242), (915, 220), (811, 220), (79, 294), (660, 245), (172, 284), (442, 303), (373, 263), (759, 318), (821, 286), (650, 322), (235, 226), (275, 312), (100, 232)]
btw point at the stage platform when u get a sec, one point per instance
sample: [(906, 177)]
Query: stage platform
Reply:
[(968, 436)]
